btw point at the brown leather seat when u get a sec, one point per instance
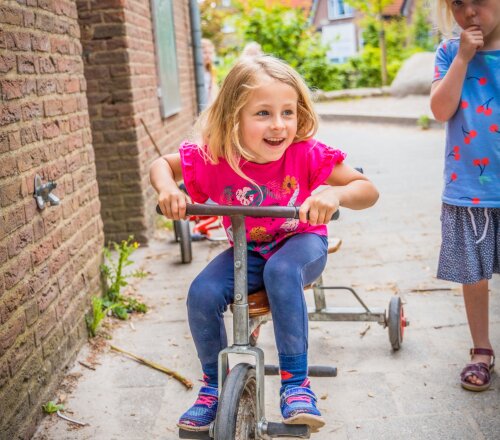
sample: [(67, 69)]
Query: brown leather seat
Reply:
[(258, 304)]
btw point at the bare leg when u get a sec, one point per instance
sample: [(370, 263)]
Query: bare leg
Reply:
[(476, 298)]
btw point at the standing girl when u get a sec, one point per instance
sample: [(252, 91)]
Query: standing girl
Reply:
[(256, 148), (466, 94)]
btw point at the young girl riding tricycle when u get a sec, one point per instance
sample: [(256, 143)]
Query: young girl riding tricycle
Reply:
[(256, 148)]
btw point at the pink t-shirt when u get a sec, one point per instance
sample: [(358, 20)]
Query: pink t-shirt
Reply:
[(286, 182)]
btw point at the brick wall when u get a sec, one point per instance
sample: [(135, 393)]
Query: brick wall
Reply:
[(49, 260), (120, 68)]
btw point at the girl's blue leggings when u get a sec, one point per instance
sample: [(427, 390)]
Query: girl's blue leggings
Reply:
[(299, 261)]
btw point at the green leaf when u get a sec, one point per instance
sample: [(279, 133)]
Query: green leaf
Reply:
[(52, 407)]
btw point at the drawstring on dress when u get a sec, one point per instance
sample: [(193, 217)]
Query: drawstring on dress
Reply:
[(486, 216)]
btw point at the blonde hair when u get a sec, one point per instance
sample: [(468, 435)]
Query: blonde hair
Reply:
[(219, 124), (444, 17)]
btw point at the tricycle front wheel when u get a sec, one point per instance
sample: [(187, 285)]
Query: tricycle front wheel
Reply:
[(236, 415)]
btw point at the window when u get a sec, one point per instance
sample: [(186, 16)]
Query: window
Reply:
[(339, 9), (166, 58)]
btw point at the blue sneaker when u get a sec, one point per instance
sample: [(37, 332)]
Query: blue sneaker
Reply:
[(202, 413), (298, 407)]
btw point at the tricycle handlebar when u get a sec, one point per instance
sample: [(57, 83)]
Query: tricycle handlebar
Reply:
[(247, 211)]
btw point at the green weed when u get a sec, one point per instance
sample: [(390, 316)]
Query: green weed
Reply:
[(113, 301), (51, 407)]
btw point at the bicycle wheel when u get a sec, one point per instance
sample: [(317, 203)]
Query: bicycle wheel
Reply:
[(396, 322), (236, 416), (185, 241)]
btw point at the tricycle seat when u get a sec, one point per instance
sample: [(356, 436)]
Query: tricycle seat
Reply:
[(258, 304)]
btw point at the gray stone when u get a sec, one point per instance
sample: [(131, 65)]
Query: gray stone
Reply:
[(415, 76)]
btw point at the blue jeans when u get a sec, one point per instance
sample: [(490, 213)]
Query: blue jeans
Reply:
[(299, 261)]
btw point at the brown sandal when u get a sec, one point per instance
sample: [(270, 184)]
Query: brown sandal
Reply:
[(478, 369)]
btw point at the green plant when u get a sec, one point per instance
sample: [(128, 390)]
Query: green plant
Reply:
[(424, 122), (51, 407), (97, 315), (115, 278)]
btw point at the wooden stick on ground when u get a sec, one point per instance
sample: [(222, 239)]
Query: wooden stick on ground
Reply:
[(186, 382)]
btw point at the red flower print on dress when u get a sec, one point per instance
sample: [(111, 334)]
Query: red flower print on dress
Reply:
[(468, 135), (484, 108), (482, 80), (474, 200), (482, 164), (455, 153), (464, 104), (453, 177), (494, 128)]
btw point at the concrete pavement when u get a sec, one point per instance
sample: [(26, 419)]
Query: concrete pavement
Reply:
[(378, 394), (378, 109)]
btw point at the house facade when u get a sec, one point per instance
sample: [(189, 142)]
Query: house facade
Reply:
[(91, 92), (337, 22)]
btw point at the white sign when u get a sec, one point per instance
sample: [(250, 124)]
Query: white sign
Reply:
[(341, 38)]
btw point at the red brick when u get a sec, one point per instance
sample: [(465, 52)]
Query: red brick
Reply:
[(19, 240), (53, 107), (38, 229), (45, 324), (10, 330), (46, 86), (10, 113), (31, 110), (51, 219), (59, 45), (27, 64), (16, 270), (11, 16), (29, 159), (29, 18), (17, 41), (39, 279), (4, 372), (12, 219), (12, 89), (12, 192), (30, 134), (48, 65), (40, 43), (7, 62), (72, 85), (8, 167), (31, 310), (4, 255), (12, 300), (48, 295), (42, 251), (20, 352), (58, 261), (14, 140), (51, 130)]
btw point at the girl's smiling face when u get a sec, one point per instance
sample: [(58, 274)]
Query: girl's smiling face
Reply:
[(268, 121)]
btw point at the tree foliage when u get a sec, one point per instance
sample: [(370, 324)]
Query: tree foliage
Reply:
[(285, 32)]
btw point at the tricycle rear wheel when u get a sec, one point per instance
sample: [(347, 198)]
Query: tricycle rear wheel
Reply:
[(396, 322), (183, 237)]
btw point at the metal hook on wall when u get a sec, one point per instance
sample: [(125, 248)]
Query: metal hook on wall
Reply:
[(43, 193)]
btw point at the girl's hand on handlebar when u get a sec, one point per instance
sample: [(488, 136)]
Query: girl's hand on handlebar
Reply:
[(320, 207), (173, 204)]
